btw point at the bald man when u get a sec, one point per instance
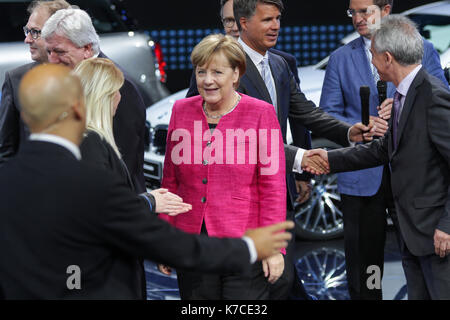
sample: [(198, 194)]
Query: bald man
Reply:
[(72, 231)]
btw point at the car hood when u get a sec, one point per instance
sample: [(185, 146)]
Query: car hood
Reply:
[(160, 112)]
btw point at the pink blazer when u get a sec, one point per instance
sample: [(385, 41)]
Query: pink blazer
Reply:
[(231, 189)]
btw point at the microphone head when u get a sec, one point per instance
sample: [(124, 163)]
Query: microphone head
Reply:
[(364, 91), (382, 86)]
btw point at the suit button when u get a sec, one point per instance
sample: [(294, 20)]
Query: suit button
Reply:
[(203, 199), (205, 181), (208, 143), (205, 162)]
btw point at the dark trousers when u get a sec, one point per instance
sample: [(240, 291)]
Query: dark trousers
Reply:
[(203, 286), (427, 277), (289, 285), (364, 237), (198, 286)]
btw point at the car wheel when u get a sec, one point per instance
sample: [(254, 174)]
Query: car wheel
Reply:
[(321, 218), (322, 272)]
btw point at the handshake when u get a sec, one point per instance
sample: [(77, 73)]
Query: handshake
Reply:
[(316, 162)]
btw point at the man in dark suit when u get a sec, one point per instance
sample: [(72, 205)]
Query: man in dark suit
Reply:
[(68, 44), (81, 232), (12, 129), (417, 150), (365, 194)]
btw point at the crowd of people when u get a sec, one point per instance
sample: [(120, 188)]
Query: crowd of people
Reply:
[(72, 127)]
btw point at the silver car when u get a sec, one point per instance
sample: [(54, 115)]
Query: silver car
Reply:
[(321, 217), (133, 51)]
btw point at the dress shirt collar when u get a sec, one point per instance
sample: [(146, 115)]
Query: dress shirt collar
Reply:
[(74, 149), (404, 85), (367, 43), (256, 57)]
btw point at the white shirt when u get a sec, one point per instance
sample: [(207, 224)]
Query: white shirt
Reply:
[(73, 148), (257, 58)]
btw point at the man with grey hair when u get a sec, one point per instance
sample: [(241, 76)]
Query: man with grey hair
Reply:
[(13, 131), (417, 151), (70, 38), (365, 194)]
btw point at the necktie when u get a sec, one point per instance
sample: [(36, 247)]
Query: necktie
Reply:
[(397, 105), (267, 77)]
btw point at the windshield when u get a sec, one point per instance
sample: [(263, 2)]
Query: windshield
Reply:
[(107, 17)]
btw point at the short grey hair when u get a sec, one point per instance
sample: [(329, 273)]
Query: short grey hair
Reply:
[(399, 36), (247, 8), (75, 25)]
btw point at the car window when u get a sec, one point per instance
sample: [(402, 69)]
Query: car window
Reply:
[(434, 28), (106, 17)]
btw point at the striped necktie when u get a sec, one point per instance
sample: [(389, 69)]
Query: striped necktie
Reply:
[(397, 107), (267, 77)]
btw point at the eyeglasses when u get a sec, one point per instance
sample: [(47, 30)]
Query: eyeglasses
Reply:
[(34, 33), (228, 22), (364, 12)]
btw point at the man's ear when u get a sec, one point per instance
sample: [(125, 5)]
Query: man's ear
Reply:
[(243, 22), (88, 52), (386, 10), (79, 110)]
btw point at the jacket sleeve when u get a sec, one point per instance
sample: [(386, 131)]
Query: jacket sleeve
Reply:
[(438, 126), (316, 120), (9, 122), (271, 171), (124, 223), (432, 62), (170, 180), (332, 99)]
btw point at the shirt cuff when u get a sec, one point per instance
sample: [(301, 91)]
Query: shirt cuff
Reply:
[(251, 249), (298, 161), (352, 144), (143, 195)]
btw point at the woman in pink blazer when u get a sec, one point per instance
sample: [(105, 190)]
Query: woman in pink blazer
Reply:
[(225, 156)]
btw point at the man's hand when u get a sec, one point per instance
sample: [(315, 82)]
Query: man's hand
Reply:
[(271, 239), (312, 167), (385, 109), (381, 126), (304, 191), (169, 203), (313, 163), (273, 267), (362, 133), (441, 243)]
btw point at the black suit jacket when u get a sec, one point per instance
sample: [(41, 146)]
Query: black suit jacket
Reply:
[(58, 212), (420, 166), (12, 129), (129, 129)]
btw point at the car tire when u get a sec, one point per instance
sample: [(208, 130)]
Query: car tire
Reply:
[(320, 218)]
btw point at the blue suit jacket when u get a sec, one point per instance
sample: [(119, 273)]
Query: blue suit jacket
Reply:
[(348, 70)]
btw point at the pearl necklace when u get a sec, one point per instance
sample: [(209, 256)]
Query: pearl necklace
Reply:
[(220, 115)]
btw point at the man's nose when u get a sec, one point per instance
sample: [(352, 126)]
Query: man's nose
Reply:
[(28, 38)]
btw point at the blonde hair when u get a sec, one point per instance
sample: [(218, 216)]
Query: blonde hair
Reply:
[(214, 44), (100, 79)]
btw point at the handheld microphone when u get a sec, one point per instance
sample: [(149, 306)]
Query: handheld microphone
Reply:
[(364, 93), (382, 89)]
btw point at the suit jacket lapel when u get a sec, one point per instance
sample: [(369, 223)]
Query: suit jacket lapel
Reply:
[(361, 64), (254, 76), (277, 70), (409, 104)]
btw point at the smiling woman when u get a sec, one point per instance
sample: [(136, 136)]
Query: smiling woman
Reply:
[(228, 196)]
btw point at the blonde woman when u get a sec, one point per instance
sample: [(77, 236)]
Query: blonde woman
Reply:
[(101, 81)]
